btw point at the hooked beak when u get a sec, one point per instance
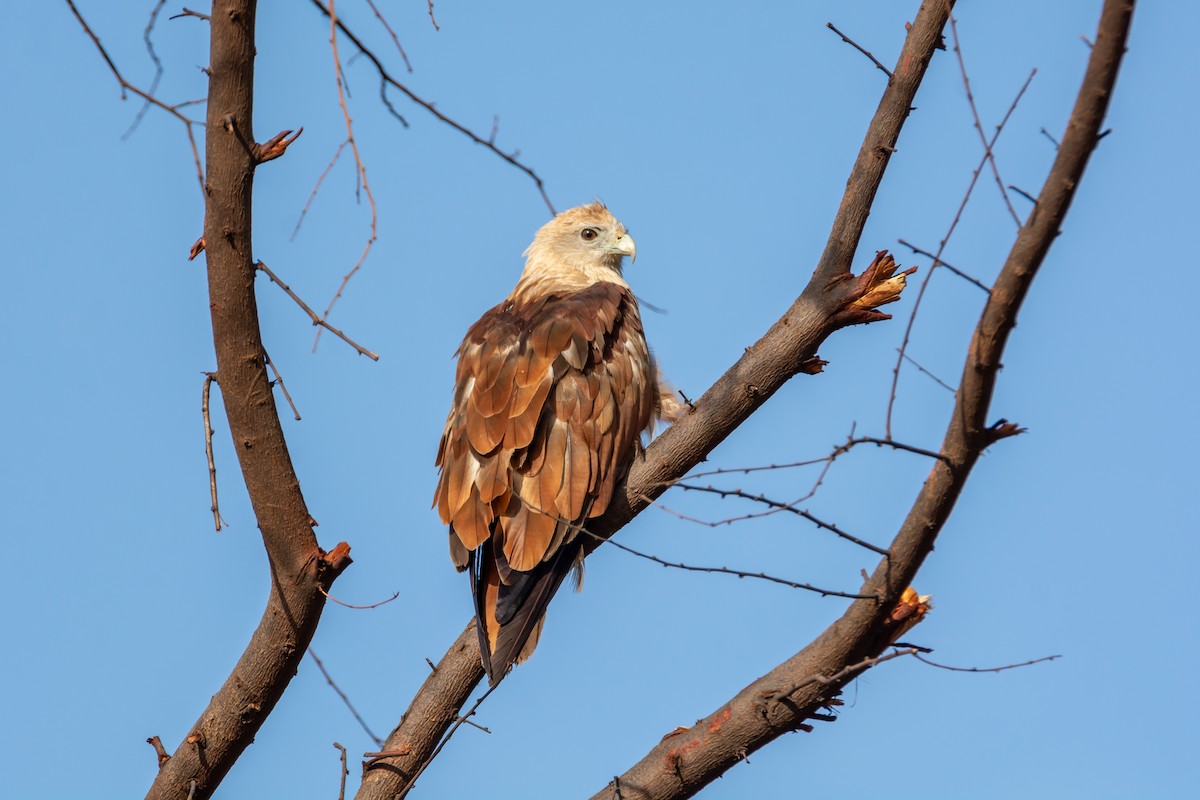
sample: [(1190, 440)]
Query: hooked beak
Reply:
[(626, 247)]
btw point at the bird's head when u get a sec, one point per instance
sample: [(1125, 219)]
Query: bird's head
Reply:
[(582, 245)]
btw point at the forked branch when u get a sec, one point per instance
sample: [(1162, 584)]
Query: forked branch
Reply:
[(747, 721), (299, 568), (785, 351)]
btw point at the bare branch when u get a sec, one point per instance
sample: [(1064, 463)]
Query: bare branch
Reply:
[(384, 602), (860, 49), (344, 774), (908, 448), (359, 165), (149, 97), (458, 723), (187, 12), (158, 67), (924, 660), (388, 80), (429, 3), (313, 195), (434, 709), (739, 573), (362, 723), (779, 355), (1024, 193), (841, 676), (392, 33), (282, 386), (938, 262), (299, 568), (684, 764), (927, 373), (937, 257), (313, 315), (987, 147), (209, 377), (788, 507)]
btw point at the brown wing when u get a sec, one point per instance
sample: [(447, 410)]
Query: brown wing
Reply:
[(551, 397)]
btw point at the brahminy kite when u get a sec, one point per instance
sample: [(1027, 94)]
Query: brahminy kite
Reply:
[(553, 391)]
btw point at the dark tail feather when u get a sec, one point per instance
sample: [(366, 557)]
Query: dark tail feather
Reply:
[(521, 605), (481, 567)]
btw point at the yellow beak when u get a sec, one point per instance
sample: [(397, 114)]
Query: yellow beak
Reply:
[(626, 247)]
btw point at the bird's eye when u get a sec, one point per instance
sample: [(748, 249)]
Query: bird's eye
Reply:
[(588, 234)]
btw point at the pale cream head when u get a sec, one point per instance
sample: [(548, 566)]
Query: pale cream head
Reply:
[(580, 246)]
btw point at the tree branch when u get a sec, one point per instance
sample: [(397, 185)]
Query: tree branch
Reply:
[(779, 355), (299, 568), (682, 765), (387, 80), (434, 709)]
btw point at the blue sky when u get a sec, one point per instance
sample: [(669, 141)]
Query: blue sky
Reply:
[(722, 138)]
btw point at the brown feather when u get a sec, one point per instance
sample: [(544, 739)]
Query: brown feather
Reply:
[(491, 399), (473, 523), (552, 390)]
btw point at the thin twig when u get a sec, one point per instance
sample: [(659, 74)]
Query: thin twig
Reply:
[(715, 523), (853, 669), (388, 80), (723, 493), (924, 660), (209, 378), (462, 719), (313, 315), (987, 148), (147, 96), (187, 12), (860, 49), (1024, 194), (1053, 141), (313, 195), (328, 596), (908, 448), (912, 314), (358, 717), (158, 68), (345, 771), (361, 170), (282, 385), (790, 465), (938, 262), (760, 468), (727, 570), (737, 573), (926, 372), (429, 3), (392, 33), (828, 461)]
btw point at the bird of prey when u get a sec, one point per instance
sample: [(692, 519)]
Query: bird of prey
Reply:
[(553, 391)]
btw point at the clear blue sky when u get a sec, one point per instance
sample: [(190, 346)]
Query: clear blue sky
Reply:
[(722, 138)]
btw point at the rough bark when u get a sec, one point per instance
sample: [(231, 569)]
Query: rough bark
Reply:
[(298, 567), (781, 700), (778, 356), (434, 709)]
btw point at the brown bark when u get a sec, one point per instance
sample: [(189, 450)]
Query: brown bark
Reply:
[(781, 700), (434, 709), (780, 354), (298, 566)]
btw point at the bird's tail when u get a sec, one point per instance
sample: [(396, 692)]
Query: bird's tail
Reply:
[(509, 615)]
